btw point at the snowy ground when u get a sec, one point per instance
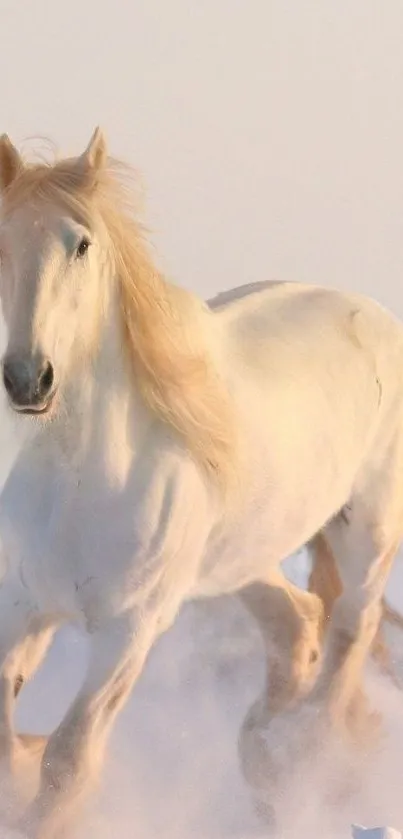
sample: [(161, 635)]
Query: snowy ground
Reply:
[(172, 769)]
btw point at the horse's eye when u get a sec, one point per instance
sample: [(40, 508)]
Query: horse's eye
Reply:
[(82, 248)]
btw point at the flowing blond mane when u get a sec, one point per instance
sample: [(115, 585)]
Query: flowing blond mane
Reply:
[(163, 326)]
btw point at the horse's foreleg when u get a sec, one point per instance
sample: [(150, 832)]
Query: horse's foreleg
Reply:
[(74, 753), (24, 638), (27, 657), (16, 615), (32, 651)]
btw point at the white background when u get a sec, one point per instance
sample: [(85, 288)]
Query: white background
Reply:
[(269, 134)]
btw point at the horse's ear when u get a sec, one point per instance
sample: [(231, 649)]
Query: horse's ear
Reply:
[(95, 155), (11, 163)]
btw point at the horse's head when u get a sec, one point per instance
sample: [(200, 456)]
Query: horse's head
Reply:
[(53, 258), (77, 278)]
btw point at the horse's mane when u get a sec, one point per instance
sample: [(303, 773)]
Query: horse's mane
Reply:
[(164, 327)]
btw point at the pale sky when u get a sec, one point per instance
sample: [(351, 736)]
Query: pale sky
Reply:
[(269, 132)]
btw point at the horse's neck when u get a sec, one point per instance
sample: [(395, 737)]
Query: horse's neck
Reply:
[(104, 418)]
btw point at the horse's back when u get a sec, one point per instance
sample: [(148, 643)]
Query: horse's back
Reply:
[(230, 295), (285, 302), (298, 324), (316, 375)]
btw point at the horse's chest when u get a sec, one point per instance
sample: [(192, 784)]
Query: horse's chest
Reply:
[(27, 505), (74, 550), (92, 552)]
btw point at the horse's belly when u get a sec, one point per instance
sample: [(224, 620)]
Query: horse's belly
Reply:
[(277, 519), (251, 548)]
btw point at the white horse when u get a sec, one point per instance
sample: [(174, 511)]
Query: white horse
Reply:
[(178, 450)]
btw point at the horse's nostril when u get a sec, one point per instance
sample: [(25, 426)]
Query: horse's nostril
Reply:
[(28, 380), (46, 378), (8, 380)]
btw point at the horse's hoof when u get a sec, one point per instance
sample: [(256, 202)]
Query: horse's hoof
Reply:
[(366, 733), (269, 749), (266, 813), (360, 724)]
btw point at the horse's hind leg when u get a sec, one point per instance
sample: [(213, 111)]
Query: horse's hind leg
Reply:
[(324, 580), (363, 542), (289, 620)]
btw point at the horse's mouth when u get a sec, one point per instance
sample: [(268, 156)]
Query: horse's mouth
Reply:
[(35, 410)]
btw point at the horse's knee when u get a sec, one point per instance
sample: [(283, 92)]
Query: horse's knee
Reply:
[(62, 764), (116, 699), (18, 683), (56, 769)]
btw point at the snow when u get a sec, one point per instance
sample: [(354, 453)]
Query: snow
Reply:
[(375, 833)]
